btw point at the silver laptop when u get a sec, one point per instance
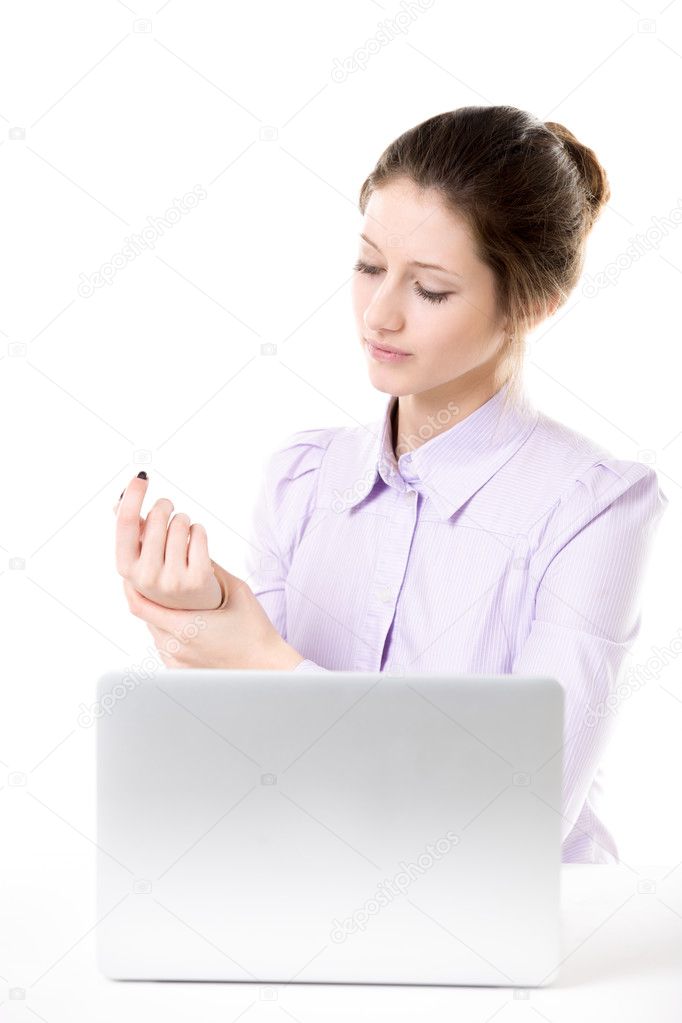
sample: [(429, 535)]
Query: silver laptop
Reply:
[(344, 827)]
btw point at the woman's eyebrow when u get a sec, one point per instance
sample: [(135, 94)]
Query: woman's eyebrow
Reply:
[(414, 262)]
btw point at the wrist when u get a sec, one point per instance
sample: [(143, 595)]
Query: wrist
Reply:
[(283, 657)]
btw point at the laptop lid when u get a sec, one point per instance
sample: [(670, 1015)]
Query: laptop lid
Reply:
[(342, 827)]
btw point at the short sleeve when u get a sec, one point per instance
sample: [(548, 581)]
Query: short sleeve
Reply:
[(588, 568), (282, 508)]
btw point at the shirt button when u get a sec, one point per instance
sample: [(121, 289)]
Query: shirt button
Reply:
[(411, 494), (385, 594)]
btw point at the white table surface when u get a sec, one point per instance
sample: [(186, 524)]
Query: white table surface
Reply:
[(622, 961)]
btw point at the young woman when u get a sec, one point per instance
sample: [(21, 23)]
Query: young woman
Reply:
[(464, 531)]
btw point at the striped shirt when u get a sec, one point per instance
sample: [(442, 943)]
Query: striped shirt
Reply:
[(505, 544)]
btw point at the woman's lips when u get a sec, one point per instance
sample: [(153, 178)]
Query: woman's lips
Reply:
[(382, 355)]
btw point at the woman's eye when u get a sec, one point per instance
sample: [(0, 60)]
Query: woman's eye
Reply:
[(365, 268), (430, 296)]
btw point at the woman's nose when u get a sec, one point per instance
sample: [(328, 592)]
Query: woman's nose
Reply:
[(384, 312)]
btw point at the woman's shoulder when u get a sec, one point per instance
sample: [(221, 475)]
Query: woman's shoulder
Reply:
[(312, 464), (289, 482), (304, 451), (572, 458), (293, 469), (582, 479), (560, 472), (301, 453)]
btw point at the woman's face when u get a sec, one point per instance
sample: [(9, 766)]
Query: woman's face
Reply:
[(444, 318)]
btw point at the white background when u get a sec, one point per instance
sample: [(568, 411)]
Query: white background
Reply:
[(102, 126)]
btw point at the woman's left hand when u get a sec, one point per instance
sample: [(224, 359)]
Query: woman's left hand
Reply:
[(238, 636)]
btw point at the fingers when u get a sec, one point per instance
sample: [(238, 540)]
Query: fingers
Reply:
[(159, 546), (128, 524), (153, 546), (197, 550), (141, 520), (115, 508), (175, 557)]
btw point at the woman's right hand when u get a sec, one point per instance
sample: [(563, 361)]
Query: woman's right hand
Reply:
[(167, 563)]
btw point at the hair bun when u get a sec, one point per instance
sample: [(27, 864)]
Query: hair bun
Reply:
[(591, 171)]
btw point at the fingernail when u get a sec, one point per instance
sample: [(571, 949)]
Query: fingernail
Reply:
[(142, 475)]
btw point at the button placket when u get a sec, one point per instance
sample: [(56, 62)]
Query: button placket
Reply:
[(390, 570)]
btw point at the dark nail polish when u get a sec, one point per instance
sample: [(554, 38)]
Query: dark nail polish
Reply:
[(142, 475)]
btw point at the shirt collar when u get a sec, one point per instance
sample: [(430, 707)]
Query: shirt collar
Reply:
[(452, 465)]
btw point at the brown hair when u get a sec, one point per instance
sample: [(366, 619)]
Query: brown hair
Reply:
[(529, 192)]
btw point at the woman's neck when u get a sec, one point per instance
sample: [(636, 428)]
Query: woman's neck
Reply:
[(416, 418)]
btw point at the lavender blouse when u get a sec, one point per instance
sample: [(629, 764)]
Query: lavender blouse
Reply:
[(507, 543)]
